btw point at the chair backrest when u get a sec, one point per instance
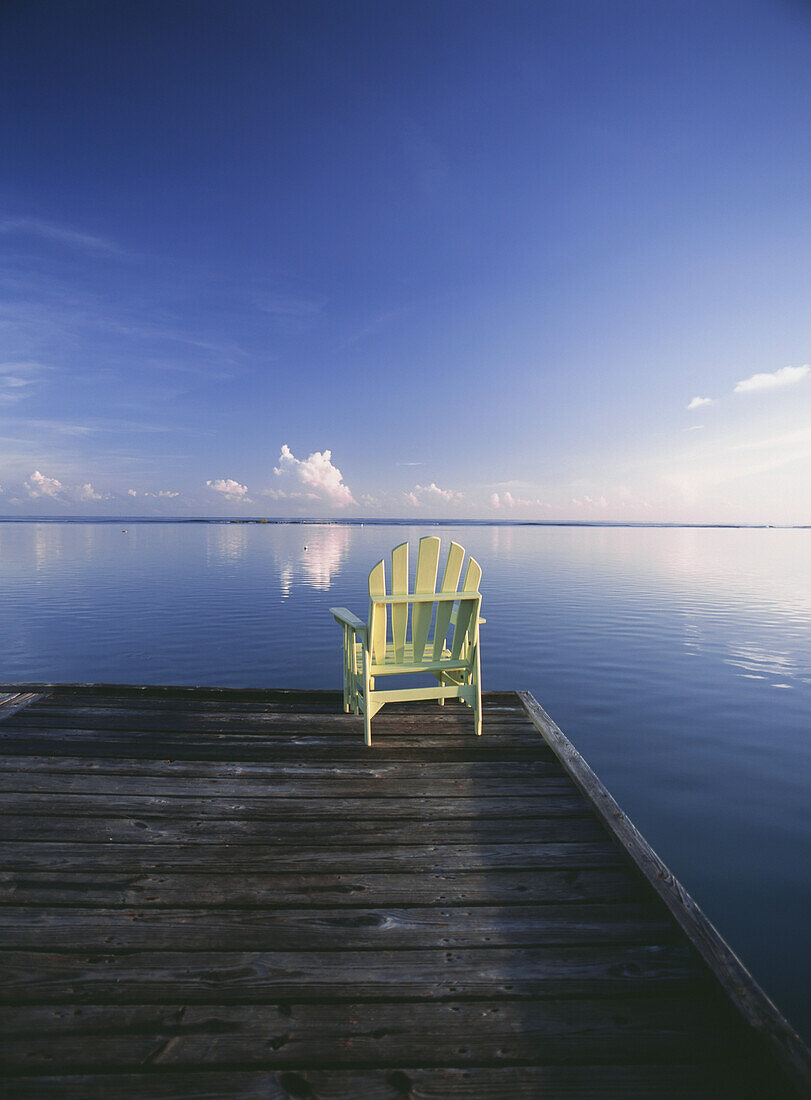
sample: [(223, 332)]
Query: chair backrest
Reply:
[(423, 610)]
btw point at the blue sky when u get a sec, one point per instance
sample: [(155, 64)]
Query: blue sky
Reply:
[(446, 259)]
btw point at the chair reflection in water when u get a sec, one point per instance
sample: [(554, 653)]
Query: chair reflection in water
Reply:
[(384, 645)]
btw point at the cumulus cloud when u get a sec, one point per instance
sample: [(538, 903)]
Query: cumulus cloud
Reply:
[(87, 492), (316, 472), (697, 402), (38, 485), (786, 376), (426, 494), (230, 489), (162, 493), (132, 492), (434, 490), (507, 500)]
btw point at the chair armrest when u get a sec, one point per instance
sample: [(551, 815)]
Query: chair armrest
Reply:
[(346, 618)]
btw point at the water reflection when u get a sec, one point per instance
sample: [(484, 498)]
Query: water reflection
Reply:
[(758, 664), (48, 544), (316, 557), (226, 542)]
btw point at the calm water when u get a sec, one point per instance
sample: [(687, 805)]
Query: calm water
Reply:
[(677, 660)]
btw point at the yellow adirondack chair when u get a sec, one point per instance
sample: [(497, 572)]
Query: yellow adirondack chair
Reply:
[(371, 649)]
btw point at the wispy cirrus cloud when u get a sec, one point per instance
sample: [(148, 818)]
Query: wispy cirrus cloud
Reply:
[(61, 234), (322, 480), (17, 379), (785, 376)]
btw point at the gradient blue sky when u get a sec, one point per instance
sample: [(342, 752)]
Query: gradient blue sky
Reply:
[(412, 259)]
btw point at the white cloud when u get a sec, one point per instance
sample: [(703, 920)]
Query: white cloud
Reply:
[(87, 492), (316, 472), (507, 500), (413, 499), (230, 489), (168, 494), (786, 376), (693, 428), (697, 402), (38, 485), (434, 490), (274, 494), (132, 492), (16, 378)]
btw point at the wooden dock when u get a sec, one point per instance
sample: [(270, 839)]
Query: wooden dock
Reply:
[(222, 893)]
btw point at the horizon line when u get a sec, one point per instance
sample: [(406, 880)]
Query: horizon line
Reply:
[(398, 521)]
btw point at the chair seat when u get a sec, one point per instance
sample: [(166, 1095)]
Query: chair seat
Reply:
[(407, 663)]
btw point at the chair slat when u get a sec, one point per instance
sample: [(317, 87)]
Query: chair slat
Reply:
[(378, 613), (399, 587), (450, 580), (425, 584), (467, 608)]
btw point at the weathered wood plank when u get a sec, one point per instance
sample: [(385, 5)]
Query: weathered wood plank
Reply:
[(383, 789), (561, 1082), (738, 984), (262, 859), (256, 807), (95, 929), (364, 774), (213, 746), (254, 977), (612, 1030), (336, 832), (267, 723), (493, 887), (231, 700), (14, 702)]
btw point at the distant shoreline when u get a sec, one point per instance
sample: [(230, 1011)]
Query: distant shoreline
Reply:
[(400, 522)]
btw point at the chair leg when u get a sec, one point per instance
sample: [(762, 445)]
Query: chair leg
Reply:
[(441, 678), (477, 702), (348, 640), (367, 703)]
